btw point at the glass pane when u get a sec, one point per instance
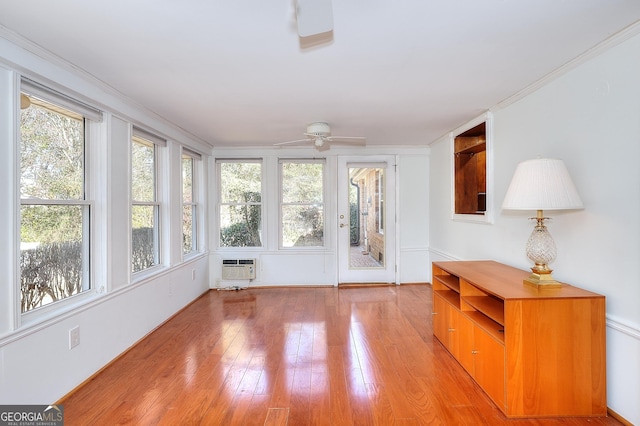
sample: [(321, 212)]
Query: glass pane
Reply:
[(187, 179), (366, 200), (302, 182), (52, 255), (51, 152), (302, 226), (240, 182), (142, 171), (188, 230), (240, 225), (144, 239)]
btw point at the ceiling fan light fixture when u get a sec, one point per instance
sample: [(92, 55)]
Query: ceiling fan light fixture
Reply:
[(319, 128)]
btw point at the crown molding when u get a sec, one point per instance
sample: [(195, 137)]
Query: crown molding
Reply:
[(614, 40), (42, 54)]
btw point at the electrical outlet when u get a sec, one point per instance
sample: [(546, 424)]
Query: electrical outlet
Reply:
[(74, 337)]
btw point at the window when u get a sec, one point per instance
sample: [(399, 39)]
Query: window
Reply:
[(240, 203), (145, 209), (189, 202), (55, 207), (302, 203)]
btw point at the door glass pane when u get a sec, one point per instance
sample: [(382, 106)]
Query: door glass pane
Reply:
[(366, 205)]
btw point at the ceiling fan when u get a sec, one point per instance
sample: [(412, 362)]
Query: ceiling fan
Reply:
[(313, 17), (319, 134)]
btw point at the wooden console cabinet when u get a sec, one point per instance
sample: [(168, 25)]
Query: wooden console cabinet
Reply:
[(535, 352)]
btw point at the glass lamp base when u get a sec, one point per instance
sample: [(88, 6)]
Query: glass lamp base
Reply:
[(541, 250)]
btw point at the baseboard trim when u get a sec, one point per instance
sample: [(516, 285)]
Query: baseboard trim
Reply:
[(618, 417)]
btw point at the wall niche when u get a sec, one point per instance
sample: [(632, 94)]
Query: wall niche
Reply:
[(471, 191), (470, 149)]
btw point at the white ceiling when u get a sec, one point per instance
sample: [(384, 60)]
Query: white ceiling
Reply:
[(400, 72)]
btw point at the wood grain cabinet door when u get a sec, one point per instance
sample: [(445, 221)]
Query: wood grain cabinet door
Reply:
[(466, 355), (489, 365), (440, 318)]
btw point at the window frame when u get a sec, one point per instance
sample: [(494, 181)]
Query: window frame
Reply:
[(281, 202), (220, 204), (144, 137), (196, 160), (62, 104)]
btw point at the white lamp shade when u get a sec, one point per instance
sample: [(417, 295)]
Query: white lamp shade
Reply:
[(542, 184)]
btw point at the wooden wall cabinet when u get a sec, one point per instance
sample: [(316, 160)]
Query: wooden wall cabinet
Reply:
[(535, 352), (470, 169)]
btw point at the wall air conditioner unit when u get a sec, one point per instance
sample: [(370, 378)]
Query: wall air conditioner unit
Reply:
[(238, 269)]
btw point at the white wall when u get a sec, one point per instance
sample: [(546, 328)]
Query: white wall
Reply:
[(36, 364), (589, 117), (320, 266), (413, 217)]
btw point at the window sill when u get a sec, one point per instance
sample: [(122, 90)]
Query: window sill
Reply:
[(483, 217), (41, 318)]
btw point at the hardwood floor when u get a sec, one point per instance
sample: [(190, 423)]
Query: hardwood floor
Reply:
[(293, 356)]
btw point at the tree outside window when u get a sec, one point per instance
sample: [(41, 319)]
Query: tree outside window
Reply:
[(302, 203), (189, 206), (54, 213), (145, 209), (240, 203)]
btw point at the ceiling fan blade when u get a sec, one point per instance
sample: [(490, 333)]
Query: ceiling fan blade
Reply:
[(293, 142), (348, 140)]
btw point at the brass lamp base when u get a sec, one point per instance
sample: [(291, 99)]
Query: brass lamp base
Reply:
[(541, 278)]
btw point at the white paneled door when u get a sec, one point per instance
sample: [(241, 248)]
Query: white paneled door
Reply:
[(366, 219)]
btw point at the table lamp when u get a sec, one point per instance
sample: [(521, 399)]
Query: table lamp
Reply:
[(541, 184)]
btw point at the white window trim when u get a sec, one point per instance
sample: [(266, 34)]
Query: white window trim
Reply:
[(196, 245), (48, 94), (219, 203), (90, 115), (487, 217), (159, 214)]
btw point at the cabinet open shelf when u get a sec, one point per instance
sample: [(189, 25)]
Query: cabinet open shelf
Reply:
[(492, 307), (502, 333), (450, 296), (449, 281), (495, 329)]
